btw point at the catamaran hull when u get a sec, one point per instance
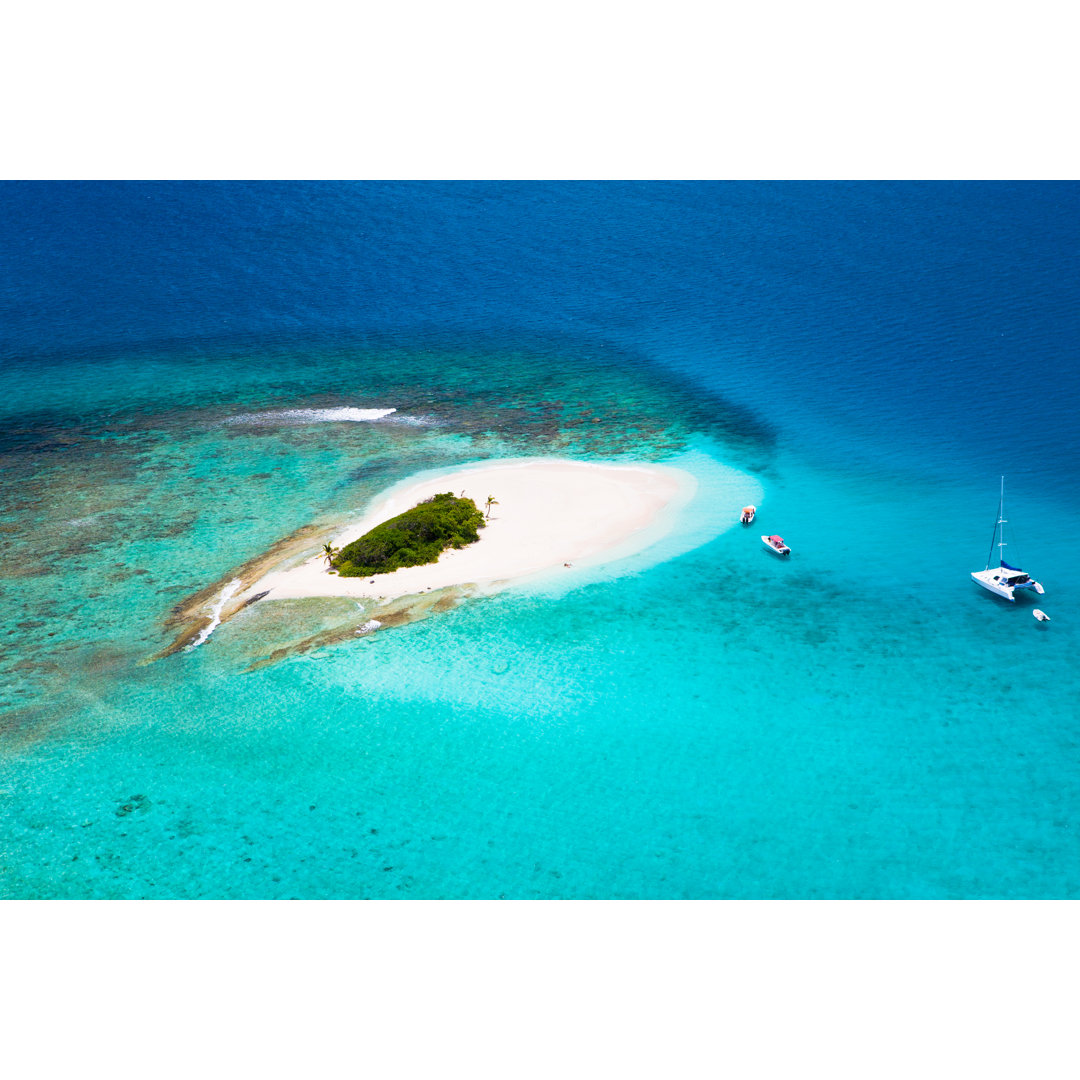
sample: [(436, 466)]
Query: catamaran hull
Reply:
[(986, 579), (998, 590)]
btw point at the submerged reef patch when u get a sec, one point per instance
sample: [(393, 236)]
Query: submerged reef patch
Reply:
[(156, 480)]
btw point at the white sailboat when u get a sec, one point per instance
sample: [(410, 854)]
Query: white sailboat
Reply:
[(1003, 580)]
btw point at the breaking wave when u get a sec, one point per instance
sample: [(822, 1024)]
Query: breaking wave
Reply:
[(311, 416), (215, 614), (413, 421)]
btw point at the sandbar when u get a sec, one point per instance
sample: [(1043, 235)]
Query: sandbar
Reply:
[(550, 514)]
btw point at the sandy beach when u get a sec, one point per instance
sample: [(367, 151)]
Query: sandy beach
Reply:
[(548, 513)]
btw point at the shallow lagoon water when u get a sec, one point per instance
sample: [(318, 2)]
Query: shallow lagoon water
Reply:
[(707, 722)]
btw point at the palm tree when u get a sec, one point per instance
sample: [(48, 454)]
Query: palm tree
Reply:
[(330, 554), (491, 501)]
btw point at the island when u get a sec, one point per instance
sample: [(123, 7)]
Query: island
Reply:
[(541, 517), (545, 515)]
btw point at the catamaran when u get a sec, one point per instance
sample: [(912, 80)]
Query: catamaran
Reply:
[(1003, 579)]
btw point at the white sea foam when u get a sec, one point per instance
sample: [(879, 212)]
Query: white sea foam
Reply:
[(215, 614), (311, 416), (371, 624), (414, 421)]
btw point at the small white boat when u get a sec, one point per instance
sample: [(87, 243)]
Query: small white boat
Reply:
[(1003, 580), (1041, 615), (776, 543), (748, 513)]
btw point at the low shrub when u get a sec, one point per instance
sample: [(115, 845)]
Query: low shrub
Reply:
[(415, 538)]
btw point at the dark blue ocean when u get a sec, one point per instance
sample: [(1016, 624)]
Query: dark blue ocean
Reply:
[(861, 721)]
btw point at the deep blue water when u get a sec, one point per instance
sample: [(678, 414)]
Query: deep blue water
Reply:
[(946, 311), (861, 723)]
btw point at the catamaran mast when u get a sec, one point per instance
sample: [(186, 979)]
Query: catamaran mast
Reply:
[(1000, 521)]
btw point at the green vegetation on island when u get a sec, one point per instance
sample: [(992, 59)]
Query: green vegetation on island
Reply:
[(414, 538)]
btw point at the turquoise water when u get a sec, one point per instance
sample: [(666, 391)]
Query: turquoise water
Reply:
[(860, 721)]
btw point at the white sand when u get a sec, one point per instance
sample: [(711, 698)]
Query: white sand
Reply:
[(549, 512)]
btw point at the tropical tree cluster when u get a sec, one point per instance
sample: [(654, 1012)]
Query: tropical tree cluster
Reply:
[(414, 538)]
